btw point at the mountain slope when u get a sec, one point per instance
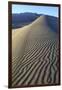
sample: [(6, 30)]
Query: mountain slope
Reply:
[(22, 19)]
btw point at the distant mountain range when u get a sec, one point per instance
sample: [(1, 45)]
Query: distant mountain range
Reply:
[(22, 19)]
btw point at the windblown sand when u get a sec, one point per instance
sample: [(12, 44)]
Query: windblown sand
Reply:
[(35, 54)]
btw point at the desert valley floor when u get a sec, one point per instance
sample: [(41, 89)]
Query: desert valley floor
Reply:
[(35, 54)]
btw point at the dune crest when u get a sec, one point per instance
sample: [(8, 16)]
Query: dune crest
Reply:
[(40, 21), (35, 29), (34, 54)]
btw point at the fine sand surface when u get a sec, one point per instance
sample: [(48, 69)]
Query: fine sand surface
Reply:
[(35, 54)]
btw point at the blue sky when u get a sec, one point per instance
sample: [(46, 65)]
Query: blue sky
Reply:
[(48, 10)]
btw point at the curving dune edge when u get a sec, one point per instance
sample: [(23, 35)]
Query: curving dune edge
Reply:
[(35, 54)]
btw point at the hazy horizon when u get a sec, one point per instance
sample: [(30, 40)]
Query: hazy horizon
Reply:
[(45, 10)]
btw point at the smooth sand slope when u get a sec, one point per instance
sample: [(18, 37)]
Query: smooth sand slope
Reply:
[(35, 54)]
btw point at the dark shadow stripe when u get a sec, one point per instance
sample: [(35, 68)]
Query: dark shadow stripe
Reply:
[(30, 59), (28, 74)]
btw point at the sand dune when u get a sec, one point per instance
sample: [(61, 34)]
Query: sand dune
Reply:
[(35, 54)]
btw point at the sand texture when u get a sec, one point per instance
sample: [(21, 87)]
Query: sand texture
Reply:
[(35, 54)]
